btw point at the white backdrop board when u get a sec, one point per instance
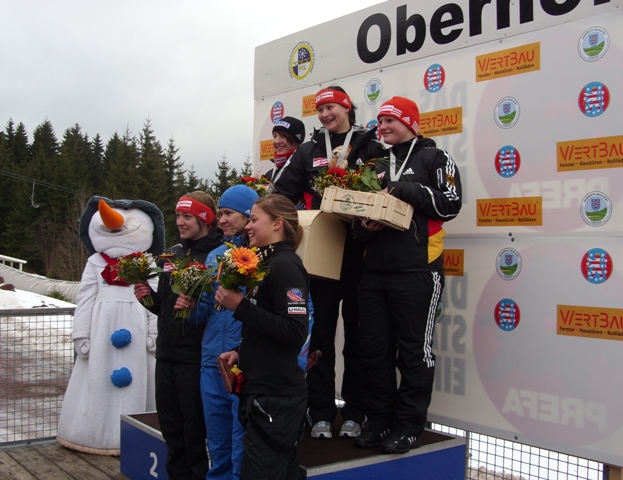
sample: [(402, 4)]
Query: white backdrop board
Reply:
[(528, 101)]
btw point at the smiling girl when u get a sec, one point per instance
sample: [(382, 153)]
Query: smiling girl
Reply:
[(274, 327), (178, 346), (403, 280), (353, 145), (222, 333)]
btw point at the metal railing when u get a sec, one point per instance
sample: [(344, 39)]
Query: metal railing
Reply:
[(36, 359), (6, 260)]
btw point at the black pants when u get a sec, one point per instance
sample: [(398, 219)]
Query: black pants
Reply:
[(326, 295), (273, 428), (397, 319), (180, 413)]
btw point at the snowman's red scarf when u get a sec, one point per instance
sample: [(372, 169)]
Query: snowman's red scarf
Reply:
[(110, 274)]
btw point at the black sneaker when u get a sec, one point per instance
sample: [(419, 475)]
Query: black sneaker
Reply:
[(370, 439), (399, 443)]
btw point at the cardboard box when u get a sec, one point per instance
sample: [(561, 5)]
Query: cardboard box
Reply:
[(382, 207), (322, 247)]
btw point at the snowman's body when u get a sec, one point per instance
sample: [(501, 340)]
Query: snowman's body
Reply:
[(97, 396)]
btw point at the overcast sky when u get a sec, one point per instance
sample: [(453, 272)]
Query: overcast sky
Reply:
[(109, 65)]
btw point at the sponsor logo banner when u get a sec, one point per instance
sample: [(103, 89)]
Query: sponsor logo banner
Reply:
[(499, 212), (590, 322)]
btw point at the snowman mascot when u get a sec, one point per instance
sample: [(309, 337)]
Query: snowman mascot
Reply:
[(114, 335)]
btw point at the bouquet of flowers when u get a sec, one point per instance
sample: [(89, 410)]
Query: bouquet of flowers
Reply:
[(362, 179), (240, 267), (137, 267), (190, 278), (261, 184)]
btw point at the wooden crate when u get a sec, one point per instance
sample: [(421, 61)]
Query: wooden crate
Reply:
[(382, 207)]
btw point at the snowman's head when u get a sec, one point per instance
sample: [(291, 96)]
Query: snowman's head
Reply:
[(118, 232), (118, 228)]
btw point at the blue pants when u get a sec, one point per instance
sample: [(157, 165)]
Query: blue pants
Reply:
[(220, 410)]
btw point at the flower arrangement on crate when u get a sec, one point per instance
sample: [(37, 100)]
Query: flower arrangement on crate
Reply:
[(240, 267), (261, 184), (362, 179), (137, 267)]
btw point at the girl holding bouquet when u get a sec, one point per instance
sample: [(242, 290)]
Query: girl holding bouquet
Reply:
[(403, 280), (222, 333), (178, 345), (274, 327)]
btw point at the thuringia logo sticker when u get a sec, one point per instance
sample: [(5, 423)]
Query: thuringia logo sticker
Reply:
[(434, 78), (374, 90), (597, 266), (507, 314), (596, 209), (507, 161), (507, 112), (594, 99), (276, 112), (508, 264), (593, 44), (301, 61)]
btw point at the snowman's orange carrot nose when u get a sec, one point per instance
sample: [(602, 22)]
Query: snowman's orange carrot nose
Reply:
[(111, 219)]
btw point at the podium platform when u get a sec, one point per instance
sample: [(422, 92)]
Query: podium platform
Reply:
[(441, 457)]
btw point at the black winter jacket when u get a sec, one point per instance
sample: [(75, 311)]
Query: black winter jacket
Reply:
[(430, 181), (275, 324), (303, 166), (180, 341)]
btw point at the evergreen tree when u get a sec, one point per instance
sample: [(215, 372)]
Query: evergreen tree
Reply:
[(51, 165), (152, 174), (192, 182), (175, 188), (247, 167), (76, 160), (225, 178), (95, 162), (120, 176), (19, 145)]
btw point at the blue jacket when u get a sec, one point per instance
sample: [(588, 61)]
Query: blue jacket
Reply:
[(222, 332)]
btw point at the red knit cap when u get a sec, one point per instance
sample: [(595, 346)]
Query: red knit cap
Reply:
[(328, 95), (404, 110)]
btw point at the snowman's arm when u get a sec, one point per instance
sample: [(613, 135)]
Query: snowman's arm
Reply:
[(87, 292)]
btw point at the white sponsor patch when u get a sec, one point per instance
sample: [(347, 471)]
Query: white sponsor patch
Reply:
[(297, 310), (320, 162)]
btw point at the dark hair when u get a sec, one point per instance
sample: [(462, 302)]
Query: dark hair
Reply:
[(208, 201), (277, 206), (288, 137), (352, 117)]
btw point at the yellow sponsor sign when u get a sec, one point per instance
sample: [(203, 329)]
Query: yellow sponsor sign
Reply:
[(590, 322), (267, 150), (501, 212), (309, 106), (441, 122), (453, 262), (512, 61), (590, 154)]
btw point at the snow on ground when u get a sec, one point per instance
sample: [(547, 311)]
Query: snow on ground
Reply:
[(24, 299)]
